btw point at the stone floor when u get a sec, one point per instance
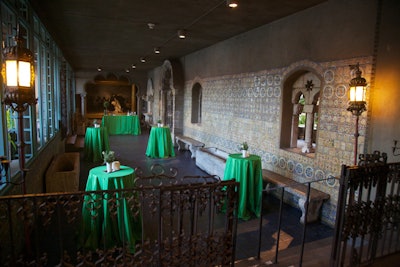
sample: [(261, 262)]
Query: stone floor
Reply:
[(130, 150)]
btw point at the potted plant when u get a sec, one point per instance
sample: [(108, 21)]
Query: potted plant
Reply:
[(159, 123), (244, 147), (96, 123), (109, 158)]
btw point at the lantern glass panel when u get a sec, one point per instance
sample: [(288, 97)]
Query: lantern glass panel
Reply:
[(24, 73), (11, 73), (357, 94)]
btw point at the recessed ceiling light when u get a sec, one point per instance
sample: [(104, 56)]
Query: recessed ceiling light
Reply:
[(143, 60), (182, 34), (133, 66), (151, 25), (232, 3), (99, 68), (157, 50), (127, 70)]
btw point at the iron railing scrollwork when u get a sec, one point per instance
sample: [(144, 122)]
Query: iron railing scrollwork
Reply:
[(368, 213), (182, 224)]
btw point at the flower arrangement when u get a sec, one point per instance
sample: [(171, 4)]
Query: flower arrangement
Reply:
[(244, 146), (108, 156)]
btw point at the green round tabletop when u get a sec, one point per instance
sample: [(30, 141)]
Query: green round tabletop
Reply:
[(101, 227), (248, 172), (96, 141), (122, 124), (160, 143)]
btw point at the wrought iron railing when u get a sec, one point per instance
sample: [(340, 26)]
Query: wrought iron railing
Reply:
[(280, 192), (368, 215), (189, 223)]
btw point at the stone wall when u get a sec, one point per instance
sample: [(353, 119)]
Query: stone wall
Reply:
[(243, 78), (248, 106)]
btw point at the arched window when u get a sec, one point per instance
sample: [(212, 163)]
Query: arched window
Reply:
[(300, 113), (196, 103)]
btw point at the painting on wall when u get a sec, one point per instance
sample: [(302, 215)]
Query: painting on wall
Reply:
[(115, 99)]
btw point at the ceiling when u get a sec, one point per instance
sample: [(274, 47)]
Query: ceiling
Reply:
[(115, 35)]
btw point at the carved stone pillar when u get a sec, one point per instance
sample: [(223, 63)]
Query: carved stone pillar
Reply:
[(309, 110), (297, 110)]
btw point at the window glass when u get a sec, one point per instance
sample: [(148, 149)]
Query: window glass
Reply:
[(40, 121)]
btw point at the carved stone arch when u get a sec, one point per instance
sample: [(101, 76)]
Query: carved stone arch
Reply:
[(150, 88), (168, 104), (166, 95), (196, 100), (303, 65), (148, 102), (198, 80), (295, 80)]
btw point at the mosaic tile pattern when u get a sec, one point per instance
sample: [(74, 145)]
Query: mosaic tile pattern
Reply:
[(247, 107)]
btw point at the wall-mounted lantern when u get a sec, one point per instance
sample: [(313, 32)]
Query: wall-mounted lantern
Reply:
[(19, 90)]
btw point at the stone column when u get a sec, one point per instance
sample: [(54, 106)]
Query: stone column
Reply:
[(297, 110), (309, 110)]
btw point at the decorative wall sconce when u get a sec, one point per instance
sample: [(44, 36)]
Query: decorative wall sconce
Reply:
[(19, 91), (357, 103)]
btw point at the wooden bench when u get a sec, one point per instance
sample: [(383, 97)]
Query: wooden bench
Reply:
[(299, 190), (187, 143)]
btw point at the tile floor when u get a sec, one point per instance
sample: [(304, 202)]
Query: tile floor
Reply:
[(130, 150)]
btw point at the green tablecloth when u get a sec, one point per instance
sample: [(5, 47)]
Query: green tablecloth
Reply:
[(160, 143), (96, 141), (248, 172), (122, 124), (100, 228)]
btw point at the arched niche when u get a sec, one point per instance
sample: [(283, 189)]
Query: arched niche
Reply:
[(118, 92), (301, 81)]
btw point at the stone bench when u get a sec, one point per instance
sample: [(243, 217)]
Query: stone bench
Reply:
[(63, 173), (187, 143), (212, 160), (300, 191)]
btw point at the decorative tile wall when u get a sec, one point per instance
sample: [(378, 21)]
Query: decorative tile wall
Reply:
[(247, 107)]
